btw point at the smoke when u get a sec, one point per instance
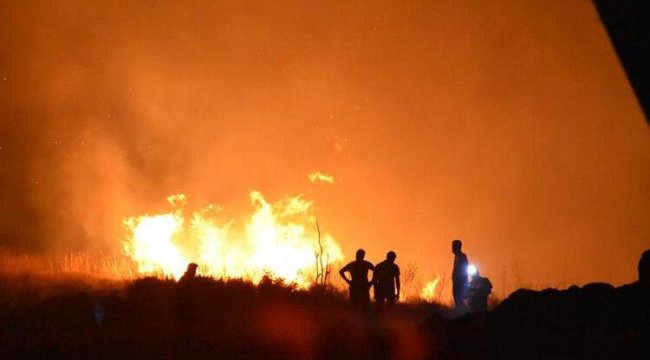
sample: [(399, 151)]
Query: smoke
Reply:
[(509, 126)]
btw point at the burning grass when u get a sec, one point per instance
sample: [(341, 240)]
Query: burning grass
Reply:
[(46, 272), (278, 240), (282, 238)]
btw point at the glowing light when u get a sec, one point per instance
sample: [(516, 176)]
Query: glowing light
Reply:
[(429, 291), (279, 239), (472, 270), (319, 176)]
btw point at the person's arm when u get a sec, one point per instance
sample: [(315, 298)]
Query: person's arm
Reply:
[(342, 273), (371, 267), (397, 282)]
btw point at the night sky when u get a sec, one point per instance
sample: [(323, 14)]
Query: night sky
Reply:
[(509, 125)]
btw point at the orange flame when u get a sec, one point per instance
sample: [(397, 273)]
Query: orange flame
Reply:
[(429, 291), (319, 176), (279, 239)]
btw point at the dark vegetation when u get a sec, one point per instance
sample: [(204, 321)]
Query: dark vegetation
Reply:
[(48, 319), (596, 321), (234, 320)]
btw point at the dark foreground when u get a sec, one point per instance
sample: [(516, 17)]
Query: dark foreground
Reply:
[(596, 321), (236, 320)]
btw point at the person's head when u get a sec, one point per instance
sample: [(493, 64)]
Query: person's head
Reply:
[(191, 269), (391, 256), (361, 254), (644, 268), (456, 245)]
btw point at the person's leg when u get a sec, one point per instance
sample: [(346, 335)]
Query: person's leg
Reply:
[(365, 301), (354, 296), (456, 294), (464, 293), (391, 300), (380, 302)]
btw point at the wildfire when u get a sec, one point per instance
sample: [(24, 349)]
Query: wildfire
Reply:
[(279, 239), (429, 291)]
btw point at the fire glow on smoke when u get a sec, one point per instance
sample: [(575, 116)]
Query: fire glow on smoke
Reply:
[(280, 239)]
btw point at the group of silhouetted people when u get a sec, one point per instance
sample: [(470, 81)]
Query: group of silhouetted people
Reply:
[(385, 280), (470, 289)]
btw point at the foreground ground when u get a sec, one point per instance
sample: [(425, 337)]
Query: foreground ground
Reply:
[(74, 318), (234, 320)]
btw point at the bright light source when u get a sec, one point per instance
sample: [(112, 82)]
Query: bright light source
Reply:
[(472, 270)]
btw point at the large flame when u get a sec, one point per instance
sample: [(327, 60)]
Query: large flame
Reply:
[(279, 239)]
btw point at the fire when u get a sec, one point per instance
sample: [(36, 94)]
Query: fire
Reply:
[(429, 291), (279, 239), (319, 176)]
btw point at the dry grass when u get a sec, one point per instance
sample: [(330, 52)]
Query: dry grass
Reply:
[(105, 268), (98, 266)]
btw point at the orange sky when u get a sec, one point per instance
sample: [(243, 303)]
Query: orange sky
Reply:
[(509, 125)]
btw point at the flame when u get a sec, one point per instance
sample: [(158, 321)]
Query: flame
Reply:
[(279, 239), (429, 291), (319, 176)]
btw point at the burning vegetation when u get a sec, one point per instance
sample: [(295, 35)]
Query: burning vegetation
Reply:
[(279, 239), (429, 292)]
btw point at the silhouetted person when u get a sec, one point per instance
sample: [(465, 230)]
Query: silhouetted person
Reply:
[(479, 290), (358, 281), (644, 269), (185, 301), (186, 313), (386, 281), (459, 274)]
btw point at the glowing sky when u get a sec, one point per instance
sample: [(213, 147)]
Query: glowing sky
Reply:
[(508, 124)]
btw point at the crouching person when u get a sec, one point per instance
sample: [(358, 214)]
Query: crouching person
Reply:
[(478, 293)]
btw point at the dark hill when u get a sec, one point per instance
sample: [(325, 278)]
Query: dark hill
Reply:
[(597, 321)]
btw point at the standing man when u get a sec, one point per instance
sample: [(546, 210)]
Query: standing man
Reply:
[(459, 275), (358, 281), (386, 281)]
